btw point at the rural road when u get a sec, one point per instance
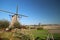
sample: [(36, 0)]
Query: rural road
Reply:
[(54, 31)]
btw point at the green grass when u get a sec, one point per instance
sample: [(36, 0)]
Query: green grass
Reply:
[(57, 36), (42, 34), (35, 33)]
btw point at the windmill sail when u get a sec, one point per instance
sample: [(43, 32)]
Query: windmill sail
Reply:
[(6, 11), (17, 9)]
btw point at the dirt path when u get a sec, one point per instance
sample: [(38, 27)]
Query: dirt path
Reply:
[(54, 31)]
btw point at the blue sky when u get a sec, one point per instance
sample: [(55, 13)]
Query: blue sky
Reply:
[(38, 11)]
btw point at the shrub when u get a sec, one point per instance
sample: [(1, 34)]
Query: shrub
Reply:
[(4, 23), (40, 28), (17, 25)]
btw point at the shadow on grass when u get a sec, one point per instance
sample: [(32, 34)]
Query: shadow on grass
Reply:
[(4, 39), (38, 38)]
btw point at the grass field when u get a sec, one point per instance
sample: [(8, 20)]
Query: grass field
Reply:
[(57, 36), (42, 34)]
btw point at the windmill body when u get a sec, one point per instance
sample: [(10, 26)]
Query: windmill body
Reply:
[(13, 21)]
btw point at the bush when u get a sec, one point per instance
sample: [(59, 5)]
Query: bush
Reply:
[(4, 23), (40, 28), (17, 25)]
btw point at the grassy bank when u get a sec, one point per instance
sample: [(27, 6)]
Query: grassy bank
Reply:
[(42, 34)]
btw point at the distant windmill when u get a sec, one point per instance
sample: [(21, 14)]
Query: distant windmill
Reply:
[(15, 17)]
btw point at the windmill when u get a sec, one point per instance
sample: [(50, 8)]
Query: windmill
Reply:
[(15, 17)]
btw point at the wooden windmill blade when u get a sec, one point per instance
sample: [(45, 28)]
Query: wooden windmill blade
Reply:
[(17, 9), (6, 11), (22, 15)]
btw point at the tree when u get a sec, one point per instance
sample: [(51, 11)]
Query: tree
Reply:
[(4, 23)]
